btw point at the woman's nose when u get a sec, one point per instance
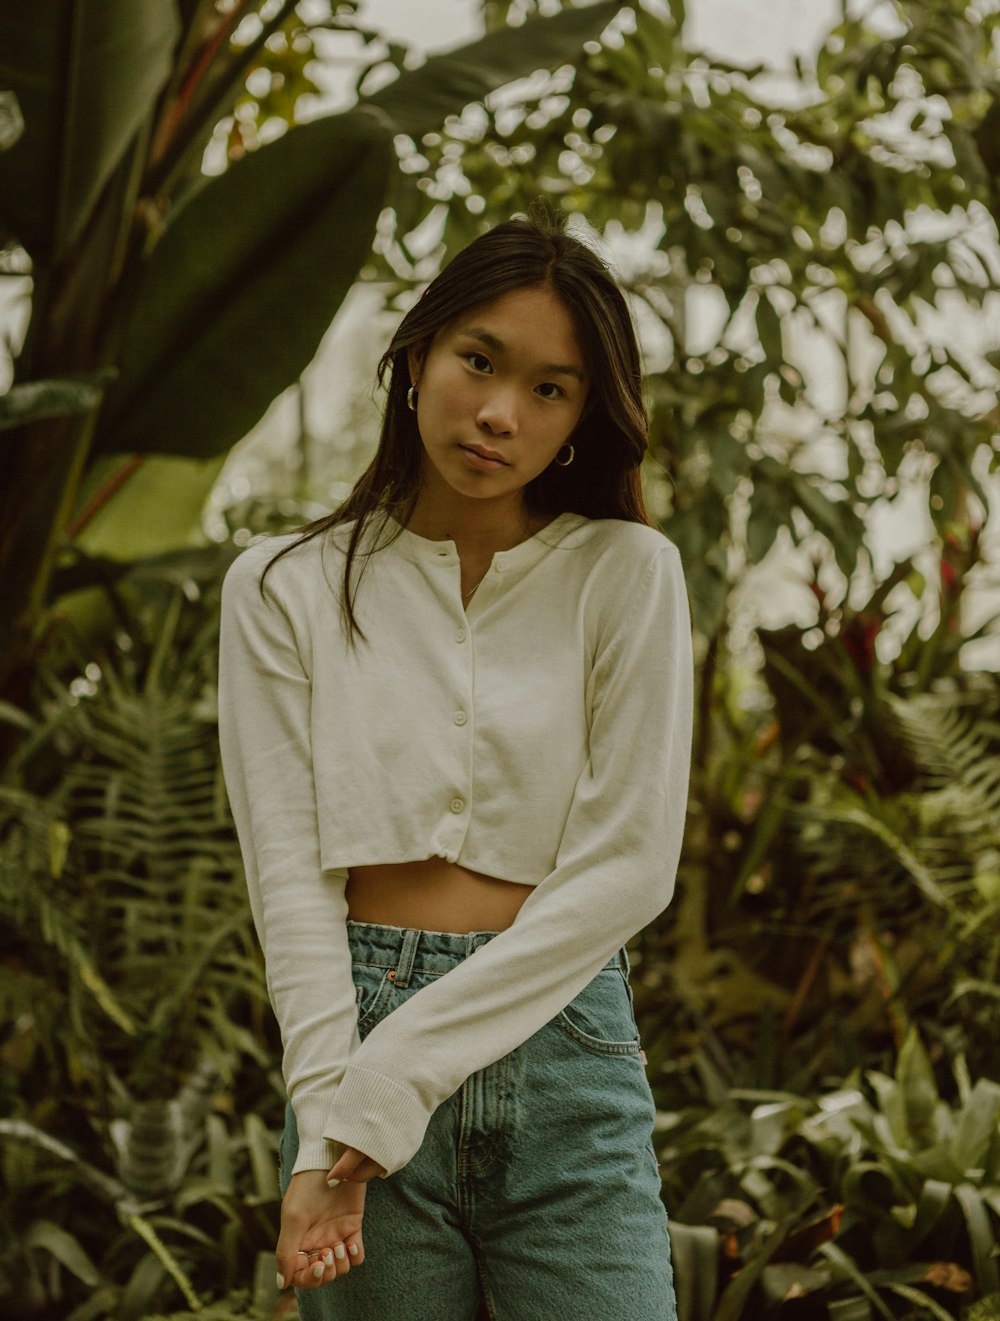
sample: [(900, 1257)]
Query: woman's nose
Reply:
[(498, 414)]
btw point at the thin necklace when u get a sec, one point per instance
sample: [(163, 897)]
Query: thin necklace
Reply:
[(467, 597)]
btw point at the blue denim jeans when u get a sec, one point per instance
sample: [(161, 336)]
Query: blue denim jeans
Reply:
[(535, 1195)]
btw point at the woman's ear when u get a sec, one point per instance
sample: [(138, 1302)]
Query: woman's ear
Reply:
[(415, 363)]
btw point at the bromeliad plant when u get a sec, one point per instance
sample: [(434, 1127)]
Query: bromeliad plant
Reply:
[(878, 1200)]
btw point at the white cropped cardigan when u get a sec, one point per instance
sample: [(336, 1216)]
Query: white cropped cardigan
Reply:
[(541, 735)]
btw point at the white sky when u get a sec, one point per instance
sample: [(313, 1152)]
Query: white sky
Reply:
[(742, 30)]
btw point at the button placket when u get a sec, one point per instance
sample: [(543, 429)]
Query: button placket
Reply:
[(462, 716)]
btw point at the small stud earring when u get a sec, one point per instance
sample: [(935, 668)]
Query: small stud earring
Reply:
[(411, 399), (564, 463)]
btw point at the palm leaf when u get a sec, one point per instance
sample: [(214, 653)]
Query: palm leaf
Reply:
[(86, 75)]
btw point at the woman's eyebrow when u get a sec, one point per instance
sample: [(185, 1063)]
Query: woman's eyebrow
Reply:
[(498, 346)]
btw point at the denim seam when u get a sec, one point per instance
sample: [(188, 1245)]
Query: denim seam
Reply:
[(496, 1137), (416, 970), (462, 1156), (478, 1257), (594, 1044)]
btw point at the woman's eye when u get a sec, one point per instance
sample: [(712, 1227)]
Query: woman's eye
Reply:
[(478, 362), (548, 390)]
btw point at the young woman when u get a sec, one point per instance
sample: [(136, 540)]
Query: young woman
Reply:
[(460, 788)]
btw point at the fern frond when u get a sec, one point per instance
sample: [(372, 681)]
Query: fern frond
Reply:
[(958, 754)]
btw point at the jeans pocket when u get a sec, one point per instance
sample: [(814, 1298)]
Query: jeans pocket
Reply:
[(600, 1018)]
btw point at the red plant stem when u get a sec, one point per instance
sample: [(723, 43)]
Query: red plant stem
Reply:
[(101, 497), (202, 61)]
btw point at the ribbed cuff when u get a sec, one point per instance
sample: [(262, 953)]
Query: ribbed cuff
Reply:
[(315, 1152), (377, 1116)]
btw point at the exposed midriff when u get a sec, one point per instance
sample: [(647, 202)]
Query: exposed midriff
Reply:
[(433, 895)]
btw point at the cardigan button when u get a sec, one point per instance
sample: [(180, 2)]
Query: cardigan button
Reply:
[(457, 805), (460, 635), (460, 717)]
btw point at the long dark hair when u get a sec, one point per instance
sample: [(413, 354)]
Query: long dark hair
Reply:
[(609, 441)]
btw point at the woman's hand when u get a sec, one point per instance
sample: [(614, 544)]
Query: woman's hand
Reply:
[(356, 1166), (320, 1237)]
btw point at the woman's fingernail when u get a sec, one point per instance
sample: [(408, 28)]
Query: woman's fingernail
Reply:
[(332, 1183), (318, 1270), (353, 1249), (339, 1252), (328, 1257), (280, 1281)]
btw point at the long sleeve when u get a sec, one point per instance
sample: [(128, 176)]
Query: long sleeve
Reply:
[(299, 910), (614, 873)]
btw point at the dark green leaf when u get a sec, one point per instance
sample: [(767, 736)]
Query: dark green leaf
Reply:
[(769, 330), (31, 400), (87, 74), (917, 1087), (66, 1249), (737, 1292), (243, 285), (977, 1126), (694, 1252), (762, 524), (981, 1238)]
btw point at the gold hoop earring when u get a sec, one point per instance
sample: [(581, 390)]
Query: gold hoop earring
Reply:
[(564, 463), (411, 399)]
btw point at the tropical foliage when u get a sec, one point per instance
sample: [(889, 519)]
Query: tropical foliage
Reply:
[(868, 1202), (819, 1005), (170, 306)]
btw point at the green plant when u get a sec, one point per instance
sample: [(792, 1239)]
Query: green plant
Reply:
[(238, 1306), (82, 1241), (131, 990), (152, 279), (880, 1197)]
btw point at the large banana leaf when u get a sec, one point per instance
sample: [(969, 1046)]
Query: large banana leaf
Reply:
[(158, 510), (86, 74), (242, 286), (235, 298)]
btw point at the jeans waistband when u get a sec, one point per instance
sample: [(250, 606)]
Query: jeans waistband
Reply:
[(408, 950)]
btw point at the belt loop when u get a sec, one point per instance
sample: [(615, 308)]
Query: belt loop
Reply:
[(475, 940), (623, 962), (407, 955)]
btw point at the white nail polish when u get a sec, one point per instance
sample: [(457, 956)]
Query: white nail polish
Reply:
[(328, 1257), (318, 1270), (353, 1249), (280, 1279), (339, 1252), (333, 1183)]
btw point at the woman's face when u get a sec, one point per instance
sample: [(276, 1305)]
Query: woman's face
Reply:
[(506, 379)]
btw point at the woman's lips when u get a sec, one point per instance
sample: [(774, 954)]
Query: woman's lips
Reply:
[(480, 461)]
